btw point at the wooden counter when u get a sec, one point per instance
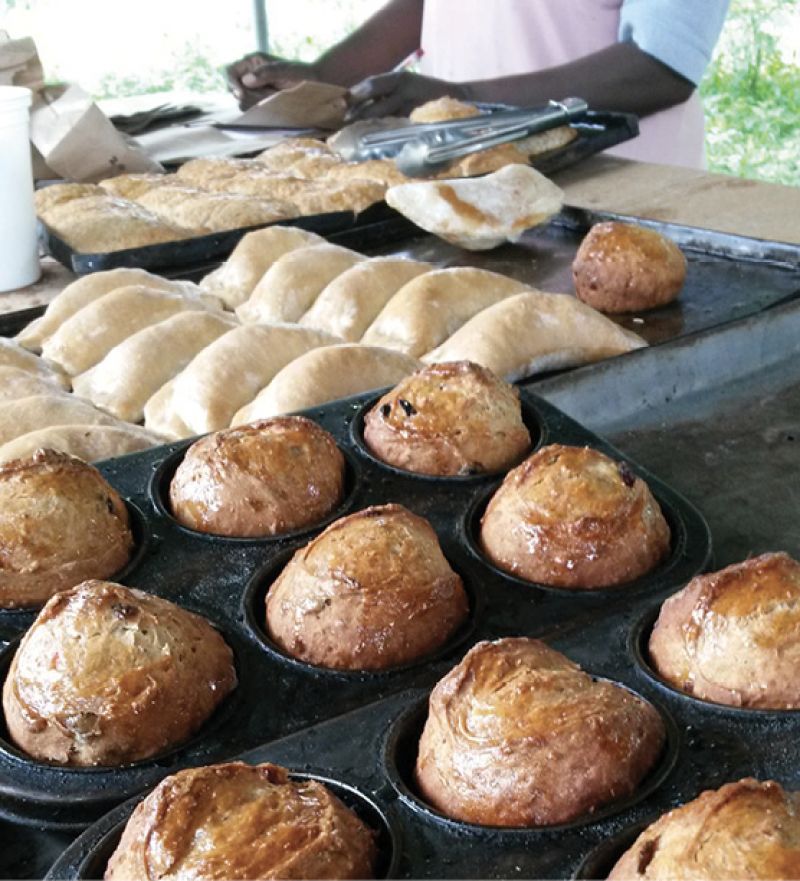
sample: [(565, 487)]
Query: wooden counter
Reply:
[(659, 192)]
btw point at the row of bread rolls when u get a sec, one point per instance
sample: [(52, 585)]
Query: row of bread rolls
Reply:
[(296, 177), (330, 323)]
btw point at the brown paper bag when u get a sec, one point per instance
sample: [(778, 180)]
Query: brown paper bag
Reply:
[(78, 141), (306, 105), (19, 63)]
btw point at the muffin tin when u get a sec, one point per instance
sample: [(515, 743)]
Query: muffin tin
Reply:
[(225, 580)]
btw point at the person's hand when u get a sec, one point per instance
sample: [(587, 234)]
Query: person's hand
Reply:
[(257, 76), (396, 93)]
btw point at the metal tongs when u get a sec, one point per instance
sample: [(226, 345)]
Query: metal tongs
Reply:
[(423, 150)]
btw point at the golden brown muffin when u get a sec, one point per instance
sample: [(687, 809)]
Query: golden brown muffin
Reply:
[(745, 829), (731, 636), (620, 267), (108, 675), (372, 591), (239, 821), (518, 735), (260, 479), (447, 419), (441, 109), (60, 523), (571, 517)]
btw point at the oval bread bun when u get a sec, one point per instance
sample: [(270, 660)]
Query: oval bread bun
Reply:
[(572, 517), (108, 675), (745, 829), (372, 591), (620, 267), (234, 822), (260, 479), (448, 419), (731, 636), (518, 735), (60, 523)]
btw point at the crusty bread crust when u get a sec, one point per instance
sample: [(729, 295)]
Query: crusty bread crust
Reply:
[(260, 479), (731, 636), (518, 735), (572, 517), (60, 523), (372, 591), (108, 675), (448, 419)]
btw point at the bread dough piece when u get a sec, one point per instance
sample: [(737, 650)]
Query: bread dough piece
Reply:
[(293, 282), (57, 194), (17, 383), (236, 279), (383, 171), (86, 290), (441, 109), (746, 829), (351, 302), (41, 411), (535, 331), (212, 212), (101, 224), (131, 186), (91, 443), (13, 355), (485, 161), (201, 172), (432, 307), (160, 417), (231, 371), (336, 195), (87, 337), (481, 213), (326, 374), (547, 141), (133, 371)]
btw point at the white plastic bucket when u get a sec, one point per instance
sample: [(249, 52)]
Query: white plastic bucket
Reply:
[(19, 252)]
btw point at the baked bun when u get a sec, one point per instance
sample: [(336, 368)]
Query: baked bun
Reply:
[(518, 735), (372, 591), (239, 821), (620, 267), (108, 675), (571, 517), (260, 479), (746, 829), (60, 523), (731, 636), (447, 419)]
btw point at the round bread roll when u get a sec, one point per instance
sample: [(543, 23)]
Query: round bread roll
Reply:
[(746, 829), (108, 675), (731, 636), (448, 419), (260, 479), (373, 591), (518, 735), (60, 523), (239, 822), (620, 267), (571, 517)]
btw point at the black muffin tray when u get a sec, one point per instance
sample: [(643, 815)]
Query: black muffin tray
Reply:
[(279, 703)]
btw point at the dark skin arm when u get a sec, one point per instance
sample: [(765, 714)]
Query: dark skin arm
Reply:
[(387, 38), (620, 77)]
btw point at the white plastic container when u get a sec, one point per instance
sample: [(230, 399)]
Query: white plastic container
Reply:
[(19, 252)]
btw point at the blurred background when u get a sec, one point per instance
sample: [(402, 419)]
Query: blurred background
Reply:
[(751, 90)]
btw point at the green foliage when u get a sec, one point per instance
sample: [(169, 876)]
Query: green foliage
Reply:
[(189, 70), (752, 97)]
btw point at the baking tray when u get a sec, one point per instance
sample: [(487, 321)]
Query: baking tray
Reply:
[(226, 580), (598, 131), (729, 436)]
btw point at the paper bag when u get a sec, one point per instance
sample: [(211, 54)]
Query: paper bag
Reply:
[(78, 141), (306, 105), (19, 63)]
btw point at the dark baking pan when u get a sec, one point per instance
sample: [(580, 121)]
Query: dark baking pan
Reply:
[(226, 581)]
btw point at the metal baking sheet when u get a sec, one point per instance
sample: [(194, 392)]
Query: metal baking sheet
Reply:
[(226, 580), (719, 415), (598, 131)]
